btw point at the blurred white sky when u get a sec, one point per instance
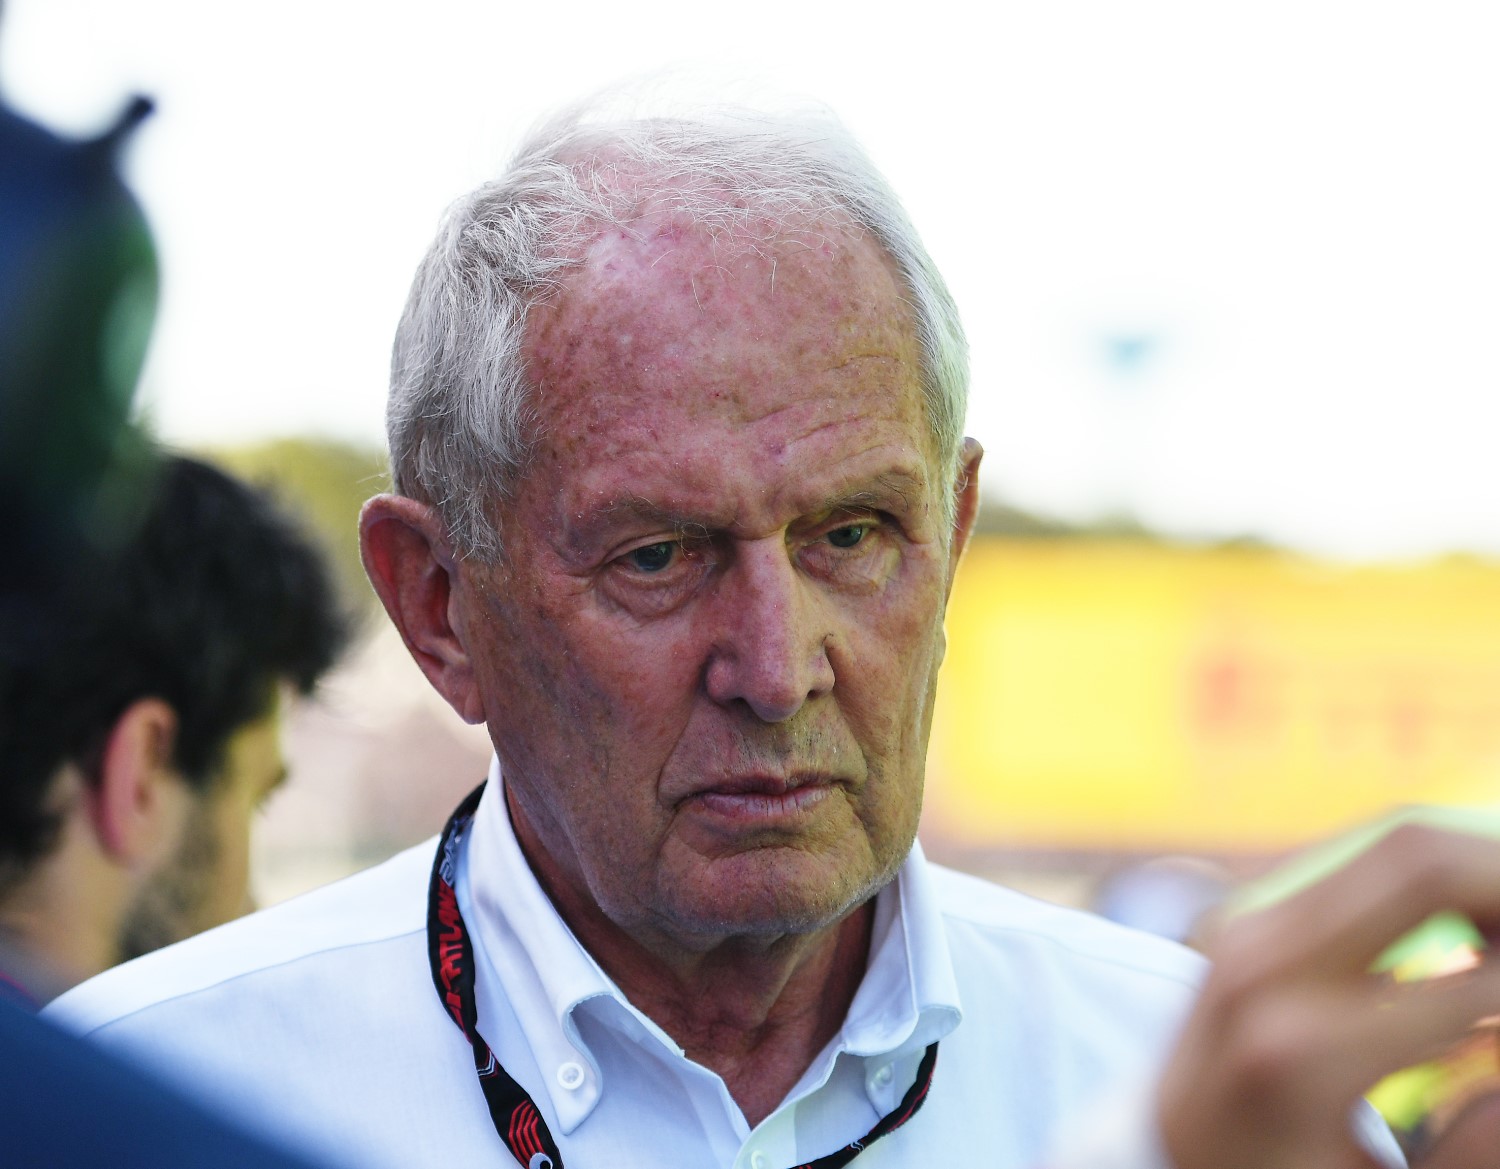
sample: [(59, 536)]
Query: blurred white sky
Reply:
[(1233, 268)]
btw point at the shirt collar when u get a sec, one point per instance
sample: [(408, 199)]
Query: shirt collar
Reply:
[(907, 999), (546, 973)]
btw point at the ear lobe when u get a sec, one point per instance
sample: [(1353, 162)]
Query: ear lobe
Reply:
[(410, 562), (140, 802)]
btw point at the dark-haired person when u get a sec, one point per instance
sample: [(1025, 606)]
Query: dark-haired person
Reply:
[(77, 294), (138, 738)]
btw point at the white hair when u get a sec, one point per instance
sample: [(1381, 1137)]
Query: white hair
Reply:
[(459, 416)]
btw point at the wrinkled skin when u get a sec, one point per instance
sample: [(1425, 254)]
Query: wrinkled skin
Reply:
[(708, 657)]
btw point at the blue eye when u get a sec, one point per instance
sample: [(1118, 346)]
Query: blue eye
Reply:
[(847, 536), (652, 557)]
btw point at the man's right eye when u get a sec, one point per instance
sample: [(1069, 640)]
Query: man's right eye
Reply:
[(652, 557)]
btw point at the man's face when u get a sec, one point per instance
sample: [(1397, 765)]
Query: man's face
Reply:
[(707, 659), (206, 883)]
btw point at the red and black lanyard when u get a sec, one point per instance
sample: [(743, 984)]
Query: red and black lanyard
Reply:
[(517, 1118)]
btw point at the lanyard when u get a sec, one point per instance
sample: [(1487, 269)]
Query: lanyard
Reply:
[(517, 1118)]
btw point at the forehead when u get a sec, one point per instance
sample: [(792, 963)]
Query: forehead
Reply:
[(672, 339)]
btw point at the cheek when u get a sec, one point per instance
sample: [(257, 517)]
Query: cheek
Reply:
[(586, 717), (231, 876), (654, 671), (529, 669), (892, 656), (589, 692)]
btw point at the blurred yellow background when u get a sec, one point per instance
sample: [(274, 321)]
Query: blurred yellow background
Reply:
[(1145, 697)]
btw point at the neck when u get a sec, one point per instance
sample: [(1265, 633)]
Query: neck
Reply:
[(756, 1011), (60, 922), (44, 951), (24, 978)]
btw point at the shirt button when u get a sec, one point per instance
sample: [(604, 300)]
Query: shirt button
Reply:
[(570, 1075), (757, 1160), (882, 1075)]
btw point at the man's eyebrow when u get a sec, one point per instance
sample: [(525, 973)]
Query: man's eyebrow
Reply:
[(885, 492), (892, 490), (598, 519), (634, 507)]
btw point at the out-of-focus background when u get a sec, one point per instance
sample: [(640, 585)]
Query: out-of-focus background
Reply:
[(1231, 276)]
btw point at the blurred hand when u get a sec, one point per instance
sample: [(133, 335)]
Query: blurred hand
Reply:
[(1472, 1139), (1292, 1028)]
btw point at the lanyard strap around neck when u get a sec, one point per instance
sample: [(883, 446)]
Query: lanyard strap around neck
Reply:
[(515, 1115)]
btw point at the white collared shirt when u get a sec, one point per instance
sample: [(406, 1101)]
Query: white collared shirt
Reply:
[(318, 1019), (555, 1011)]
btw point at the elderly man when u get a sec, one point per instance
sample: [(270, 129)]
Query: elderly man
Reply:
[(675, 425)]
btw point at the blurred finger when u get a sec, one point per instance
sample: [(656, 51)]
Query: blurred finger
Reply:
[(1343, 923), (1363, 1039), (1472, 1141), (1317, 1049)]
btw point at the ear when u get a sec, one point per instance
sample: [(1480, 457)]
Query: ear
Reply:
[(412, 565), (140, 803), (966, 499)]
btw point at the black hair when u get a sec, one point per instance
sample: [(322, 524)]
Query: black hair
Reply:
[(212, 600)]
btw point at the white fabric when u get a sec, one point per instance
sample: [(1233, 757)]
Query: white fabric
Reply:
[(319, 1019), (1121, 1133)]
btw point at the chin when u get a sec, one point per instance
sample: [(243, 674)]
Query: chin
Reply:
[(767, 894)]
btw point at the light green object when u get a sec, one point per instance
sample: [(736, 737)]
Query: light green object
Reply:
[(1431, 942), (1403, 1098)]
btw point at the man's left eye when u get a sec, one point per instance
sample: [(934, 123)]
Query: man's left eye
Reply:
[(848, 536), (652, 557)]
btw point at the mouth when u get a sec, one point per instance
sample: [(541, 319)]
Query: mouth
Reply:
[(762, 798)]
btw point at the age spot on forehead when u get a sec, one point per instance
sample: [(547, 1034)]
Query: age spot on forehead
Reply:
[(670, 326)]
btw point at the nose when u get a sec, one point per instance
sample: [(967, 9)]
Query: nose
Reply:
[(770, 644)]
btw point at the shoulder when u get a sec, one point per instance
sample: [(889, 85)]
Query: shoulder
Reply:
[(1062, 1002), (378, 905), (64, 1102), (987, 920)]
